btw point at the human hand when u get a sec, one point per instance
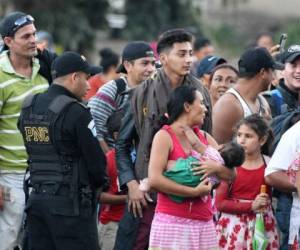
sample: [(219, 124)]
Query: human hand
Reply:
[(203, 188), (274, 51), (205, 168), (136, 199), (260, 202)]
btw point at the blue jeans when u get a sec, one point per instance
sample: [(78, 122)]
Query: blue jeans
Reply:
[(282, 214)]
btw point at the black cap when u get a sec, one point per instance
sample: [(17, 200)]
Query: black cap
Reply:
[(208, 64), (13, 22), (291, 53), (255, 59), (70, 62), (135, 50)]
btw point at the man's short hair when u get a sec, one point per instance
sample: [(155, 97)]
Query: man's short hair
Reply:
[(201, 42), (169, 37)]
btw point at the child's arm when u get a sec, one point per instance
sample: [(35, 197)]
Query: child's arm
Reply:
[(112, 199), (226, 204), (194, 140)]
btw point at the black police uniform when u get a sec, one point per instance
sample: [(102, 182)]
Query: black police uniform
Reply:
[(66, 166)]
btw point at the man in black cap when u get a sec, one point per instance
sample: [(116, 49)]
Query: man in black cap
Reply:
[(138, 64), (283, 99), (285, 96), (256, 68), (66, 163), (19, 76)]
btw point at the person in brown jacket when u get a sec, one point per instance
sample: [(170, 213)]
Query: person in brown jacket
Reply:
[(148, 103)]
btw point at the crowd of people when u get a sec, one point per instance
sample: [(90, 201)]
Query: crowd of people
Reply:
[(168, 146)]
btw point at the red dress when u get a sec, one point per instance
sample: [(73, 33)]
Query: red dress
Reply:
[(236, 224)]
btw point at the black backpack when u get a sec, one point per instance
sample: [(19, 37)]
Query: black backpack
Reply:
[(115, 118), (282, 123)]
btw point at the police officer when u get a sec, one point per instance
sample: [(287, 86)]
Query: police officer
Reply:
[(66, 163)]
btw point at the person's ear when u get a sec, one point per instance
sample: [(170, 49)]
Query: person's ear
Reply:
[(263, 140), (187, 107), (163, 58), (7, 41), (128, 65)]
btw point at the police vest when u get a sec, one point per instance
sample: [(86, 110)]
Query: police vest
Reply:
[(52, 171)]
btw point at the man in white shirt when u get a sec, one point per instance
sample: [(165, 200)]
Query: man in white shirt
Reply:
[(276, 176)]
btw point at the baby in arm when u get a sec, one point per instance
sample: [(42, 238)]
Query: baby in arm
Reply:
[(230, 155)]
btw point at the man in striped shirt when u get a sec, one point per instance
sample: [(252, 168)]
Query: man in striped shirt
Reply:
[(138, 64), (19, 77)]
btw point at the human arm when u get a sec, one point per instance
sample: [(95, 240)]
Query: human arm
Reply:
[(102, 105), (79, 123), (46, 58), (297, 183), (125, 166), (1, 197), (161, 147), (105, 148), (226, 204), (276, 171), (226, 114), (212, 162), (112, 199)]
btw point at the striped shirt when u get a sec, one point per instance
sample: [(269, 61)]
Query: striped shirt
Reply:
[(102, 105), (13, 90)]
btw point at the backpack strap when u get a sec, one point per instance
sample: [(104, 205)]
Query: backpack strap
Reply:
[(28, 101), (60, 102), (277, 99), (121, 87)]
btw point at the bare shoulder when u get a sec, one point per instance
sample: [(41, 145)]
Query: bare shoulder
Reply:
[(226, 113), (162, 137)]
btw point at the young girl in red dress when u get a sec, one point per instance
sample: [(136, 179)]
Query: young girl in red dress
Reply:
[(240, 200)]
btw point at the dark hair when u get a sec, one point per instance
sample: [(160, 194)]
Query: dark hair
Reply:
[(223, 66), (108, 58), (262, 34), (201, 42), (168, 38), (233, 154), (261, 127), (175, 105)]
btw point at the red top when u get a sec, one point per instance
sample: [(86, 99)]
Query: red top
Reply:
[(111, 212), (237, 198), (95, 83), (197, 208)]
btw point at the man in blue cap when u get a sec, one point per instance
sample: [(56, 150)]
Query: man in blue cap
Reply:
[(66, 163)]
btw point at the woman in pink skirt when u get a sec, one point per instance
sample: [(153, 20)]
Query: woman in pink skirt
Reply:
[(187, 225)]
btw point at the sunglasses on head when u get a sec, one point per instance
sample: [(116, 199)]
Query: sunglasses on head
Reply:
[(20, 22)]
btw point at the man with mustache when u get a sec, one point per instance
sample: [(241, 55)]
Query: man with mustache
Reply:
[(19, 76)]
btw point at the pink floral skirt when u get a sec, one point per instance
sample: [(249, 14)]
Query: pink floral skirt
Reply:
[(235, 231)]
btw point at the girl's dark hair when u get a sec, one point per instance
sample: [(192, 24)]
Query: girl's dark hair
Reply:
[(108, 58), (261, 128), (223, 66)]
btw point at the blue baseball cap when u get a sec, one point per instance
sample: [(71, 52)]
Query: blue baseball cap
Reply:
[(208, 63)]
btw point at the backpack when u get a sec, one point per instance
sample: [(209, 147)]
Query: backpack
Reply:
[(282, 123), (114, 120)]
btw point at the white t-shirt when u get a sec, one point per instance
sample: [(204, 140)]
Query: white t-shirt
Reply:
[(285, 151)]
